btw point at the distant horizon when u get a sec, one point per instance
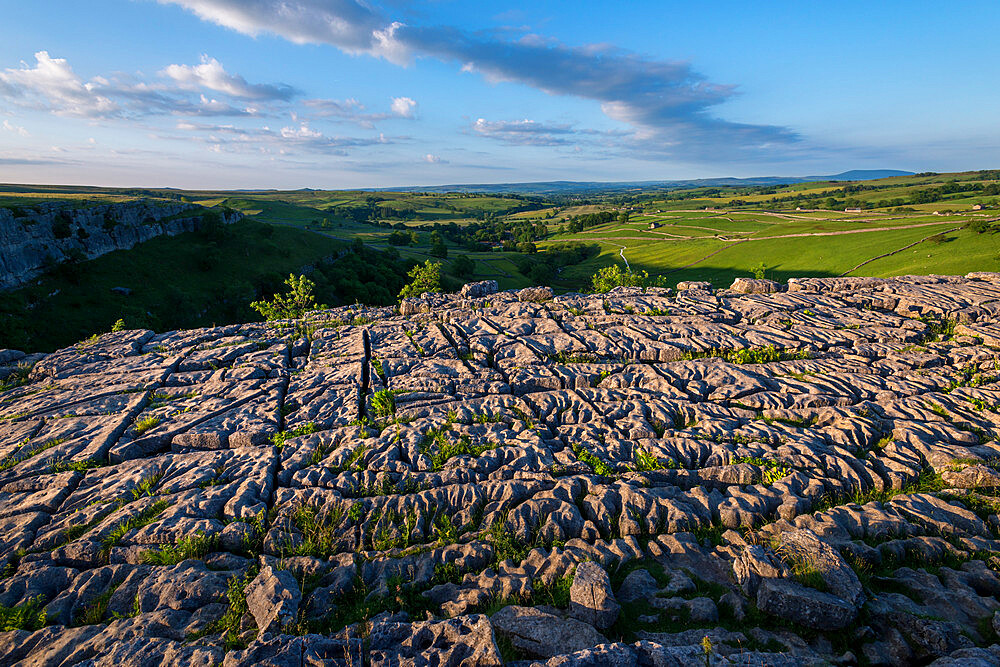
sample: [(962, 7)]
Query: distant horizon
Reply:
[(417, 187)]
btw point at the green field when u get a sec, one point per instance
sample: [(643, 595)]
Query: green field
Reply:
[(714, 234)]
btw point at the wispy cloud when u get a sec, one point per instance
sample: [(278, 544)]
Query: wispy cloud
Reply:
[(668, 104), (353, 111), (211, 75), (289, 140), (8, 126), (524, 132), (350, 25)]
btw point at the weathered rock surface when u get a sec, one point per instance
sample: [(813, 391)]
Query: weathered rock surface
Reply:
[(803, 476), (273, 598), (541, 634), (590, 597)]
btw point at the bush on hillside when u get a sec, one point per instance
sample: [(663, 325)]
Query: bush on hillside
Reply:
[(424, 277), (299, 300)]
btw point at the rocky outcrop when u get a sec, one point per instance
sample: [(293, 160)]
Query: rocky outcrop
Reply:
[(798, 476), (34, 239)]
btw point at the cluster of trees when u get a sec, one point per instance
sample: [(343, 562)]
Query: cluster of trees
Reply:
[(376, 209), (578, 223), (542, 267), (360, 275), (516, 235), (474, 237)]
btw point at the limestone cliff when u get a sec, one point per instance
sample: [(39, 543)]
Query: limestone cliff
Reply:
[(37, 237)]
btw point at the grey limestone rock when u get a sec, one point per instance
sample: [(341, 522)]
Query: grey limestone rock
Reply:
[(535, 294), (638, 585), (591, 599), (542, 634), (273, 598), (479, 289)]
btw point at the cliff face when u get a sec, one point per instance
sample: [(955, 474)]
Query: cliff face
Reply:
[(766, 469), (32, 239)]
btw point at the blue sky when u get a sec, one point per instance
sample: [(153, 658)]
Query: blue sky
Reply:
[(345, 93)]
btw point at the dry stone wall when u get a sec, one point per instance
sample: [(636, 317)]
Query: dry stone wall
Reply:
[(36, 238), (807, 475)]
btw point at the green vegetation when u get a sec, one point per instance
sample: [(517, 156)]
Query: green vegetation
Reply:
[(321, 530), (610, 277), (145, 424), (95, 611), (423, 278), (143, 518), (25, 454), (192, 546), (644, 461), (596, 464), (293, 305), (18, 378), (506, 546), (29, 615), (771, 470), (229, 624), (383, 403), (279, 438), (758, 355), (182, 281)]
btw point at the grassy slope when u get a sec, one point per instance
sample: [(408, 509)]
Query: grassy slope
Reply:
[(801, 256), (176, 282)]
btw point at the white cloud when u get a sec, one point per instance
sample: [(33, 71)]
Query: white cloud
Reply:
[(351, 110), (302, 132), (212, 75), (404, 107), (286, 141), (434, 159), (16, 129), (524, 132), (53, 84), (352, 26)]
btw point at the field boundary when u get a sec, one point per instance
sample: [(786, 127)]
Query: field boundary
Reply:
[(890, 254)]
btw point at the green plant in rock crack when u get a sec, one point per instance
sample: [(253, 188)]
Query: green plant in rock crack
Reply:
[(321, 529), (143, 518), (644, 461), (229, 624), (383, 403), (594, 462), (771, 470), (279, 438), (145, 424), (192, 546), (29, 615)]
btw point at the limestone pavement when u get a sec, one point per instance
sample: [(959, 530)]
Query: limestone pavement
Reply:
[(769, 474)]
